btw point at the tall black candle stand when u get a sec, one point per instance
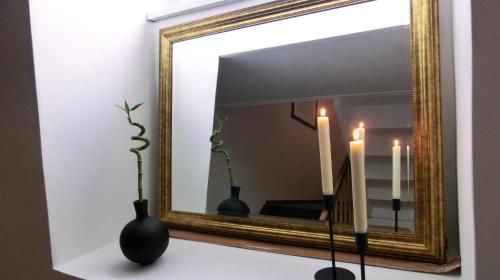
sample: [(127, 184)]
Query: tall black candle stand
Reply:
[(332, 273), (396, 206), (361, 246)]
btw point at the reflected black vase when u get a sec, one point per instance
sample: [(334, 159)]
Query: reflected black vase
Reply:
[(144, 239), (233, 206)]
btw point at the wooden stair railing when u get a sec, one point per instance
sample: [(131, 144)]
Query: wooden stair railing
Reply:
[(343, 212)]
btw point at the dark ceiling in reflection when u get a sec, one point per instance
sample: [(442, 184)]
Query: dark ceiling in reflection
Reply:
[(372, 62)]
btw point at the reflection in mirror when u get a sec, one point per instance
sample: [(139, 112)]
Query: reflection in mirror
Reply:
[(269, 99)]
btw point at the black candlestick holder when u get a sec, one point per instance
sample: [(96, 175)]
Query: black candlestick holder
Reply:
[(396, 206), (332, 273), (362, 246)]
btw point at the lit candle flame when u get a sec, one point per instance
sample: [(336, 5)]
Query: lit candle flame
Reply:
[(396, 142), (323, 112), (361, 125), (355, 135)]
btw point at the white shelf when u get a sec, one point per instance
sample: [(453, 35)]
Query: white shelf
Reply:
[(194, 260)]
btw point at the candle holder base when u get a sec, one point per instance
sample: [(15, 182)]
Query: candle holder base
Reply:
[(396, 206), (340, 274), (333, 272)]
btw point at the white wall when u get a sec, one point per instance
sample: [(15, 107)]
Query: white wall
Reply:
[(463, 85), (448, 109), (89, 55)]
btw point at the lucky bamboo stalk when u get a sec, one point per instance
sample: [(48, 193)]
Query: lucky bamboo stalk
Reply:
[(137, 150), (217, 148)]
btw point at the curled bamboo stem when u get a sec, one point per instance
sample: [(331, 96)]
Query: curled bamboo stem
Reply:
[(137, 150)]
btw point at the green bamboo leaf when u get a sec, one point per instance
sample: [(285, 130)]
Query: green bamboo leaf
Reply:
[(127, 109), (136, 106), (120, 107)]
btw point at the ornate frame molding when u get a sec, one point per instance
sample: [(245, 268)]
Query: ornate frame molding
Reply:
[(428, 242)]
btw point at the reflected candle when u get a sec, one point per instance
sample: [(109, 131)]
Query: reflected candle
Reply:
[(396, 170), (325, 153), (361, 130), (357, 151), (408, 170)]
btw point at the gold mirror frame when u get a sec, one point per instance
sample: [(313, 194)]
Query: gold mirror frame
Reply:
[(428, 242)]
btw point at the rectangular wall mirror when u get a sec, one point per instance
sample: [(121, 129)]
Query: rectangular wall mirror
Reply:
[(240, 94)]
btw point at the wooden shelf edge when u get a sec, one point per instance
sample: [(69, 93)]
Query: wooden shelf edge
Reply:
[(453, 263)]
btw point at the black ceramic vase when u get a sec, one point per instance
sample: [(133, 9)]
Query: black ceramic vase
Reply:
[(233, 206), (144, 239)]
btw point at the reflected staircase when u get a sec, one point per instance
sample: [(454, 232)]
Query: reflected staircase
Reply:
[(386, 117)]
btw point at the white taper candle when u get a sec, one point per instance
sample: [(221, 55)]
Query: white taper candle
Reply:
[(396, 170), (325, 153), (361, 130), (357, 151), (408, 171)]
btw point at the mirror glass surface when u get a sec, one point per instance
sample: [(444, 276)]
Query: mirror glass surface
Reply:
[(268, 83)]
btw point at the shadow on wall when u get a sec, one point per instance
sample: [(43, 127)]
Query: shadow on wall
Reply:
[(274, 156), (24, 234)]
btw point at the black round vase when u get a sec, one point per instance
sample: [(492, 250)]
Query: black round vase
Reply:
[(233, 206), (144, 239)]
